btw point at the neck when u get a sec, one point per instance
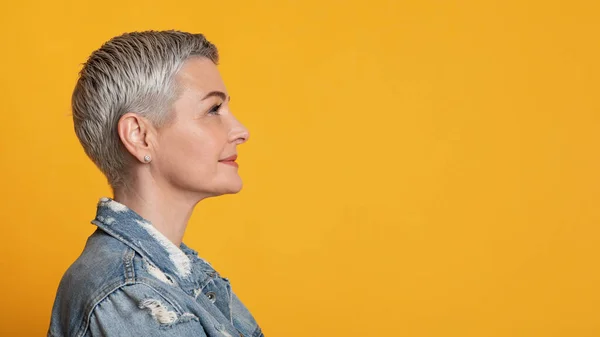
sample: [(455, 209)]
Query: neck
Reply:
[(168, 210)]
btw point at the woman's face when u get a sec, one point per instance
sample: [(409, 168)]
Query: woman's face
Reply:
[(190, 150)]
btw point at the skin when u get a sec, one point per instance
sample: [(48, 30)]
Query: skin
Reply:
[(184, 167)]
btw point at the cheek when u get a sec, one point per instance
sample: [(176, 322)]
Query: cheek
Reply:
[(192, 148), (189, 159)]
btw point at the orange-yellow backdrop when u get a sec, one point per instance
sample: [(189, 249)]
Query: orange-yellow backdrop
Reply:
[(415, 168)]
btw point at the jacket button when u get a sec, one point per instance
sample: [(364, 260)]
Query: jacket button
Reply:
[(211, 296)]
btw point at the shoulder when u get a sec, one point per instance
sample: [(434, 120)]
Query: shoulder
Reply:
[(140, 310), (137, 309), (105, 265)]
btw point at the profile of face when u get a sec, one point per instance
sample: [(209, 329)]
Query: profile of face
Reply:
[(189, 153)]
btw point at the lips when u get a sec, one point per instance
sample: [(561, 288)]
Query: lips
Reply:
[(230, 158)]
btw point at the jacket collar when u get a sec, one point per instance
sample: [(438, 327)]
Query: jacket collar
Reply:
[(124, 224)]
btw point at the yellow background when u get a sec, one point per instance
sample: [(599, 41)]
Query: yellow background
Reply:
[(415, 168)]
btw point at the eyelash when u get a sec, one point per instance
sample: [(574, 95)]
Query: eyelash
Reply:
[(215, 109)]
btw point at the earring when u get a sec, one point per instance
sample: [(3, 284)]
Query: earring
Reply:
[(147, 158)]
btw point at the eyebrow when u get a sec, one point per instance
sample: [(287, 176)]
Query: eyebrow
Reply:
[(219, 94)]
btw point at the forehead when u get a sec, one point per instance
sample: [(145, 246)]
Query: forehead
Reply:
[(201, 76)]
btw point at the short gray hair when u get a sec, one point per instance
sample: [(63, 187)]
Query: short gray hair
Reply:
[(133, 72)]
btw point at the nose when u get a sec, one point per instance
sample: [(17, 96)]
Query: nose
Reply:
[(238, 133)]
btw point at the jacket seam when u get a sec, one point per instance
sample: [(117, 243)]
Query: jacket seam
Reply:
[(128, 271), (105, 293), (128, 263)]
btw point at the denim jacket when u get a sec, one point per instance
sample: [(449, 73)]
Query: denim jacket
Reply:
[(130, 280)]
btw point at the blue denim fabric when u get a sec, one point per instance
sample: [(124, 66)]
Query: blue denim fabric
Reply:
[(130, 280)]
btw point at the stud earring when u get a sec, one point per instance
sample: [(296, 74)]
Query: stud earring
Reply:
[(147, 158)]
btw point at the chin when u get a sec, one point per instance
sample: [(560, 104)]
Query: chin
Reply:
[(217, 189), (229, 188), (235, 189)]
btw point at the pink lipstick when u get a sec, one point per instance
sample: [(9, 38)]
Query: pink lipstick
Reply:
[(230, 160)]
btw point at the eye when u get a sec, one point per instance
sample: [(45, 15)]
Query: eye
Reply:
[(215, 109)]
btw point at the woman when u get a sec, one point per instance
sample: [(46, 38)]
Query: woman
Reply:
[(151, 110)]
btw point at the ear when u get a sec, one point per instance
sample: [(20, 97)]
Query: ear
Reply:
[(136, 134)]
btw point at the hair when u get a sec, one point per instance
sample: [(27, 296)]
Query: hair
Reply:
[(133, 72)]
